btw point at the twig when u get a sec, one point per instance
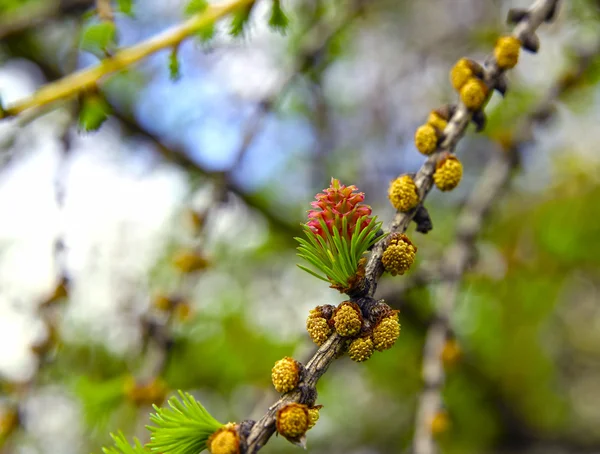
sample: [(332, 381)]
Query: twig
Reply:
[(456, 261), (262, 430), (88, 78)]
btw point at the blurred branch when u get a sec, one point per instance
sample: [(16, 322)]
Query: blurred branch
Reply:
[(470, 222), (459, 256), (306, 392), (88, 78), (179, 157)]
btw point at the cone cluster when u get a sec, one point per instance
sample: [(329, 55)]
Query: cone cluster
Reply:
[(285, 374), (226, 440), (403, 193), (386, 332), (293, 421), (347, 319), (317, 324), (448, 172), (399, 255)]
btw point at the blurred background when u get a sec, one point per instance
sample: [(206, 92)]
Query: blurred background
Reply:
[(157, 253)]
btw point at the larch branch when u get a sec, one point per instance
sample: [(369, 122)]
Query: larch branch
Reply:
[(88, 78)]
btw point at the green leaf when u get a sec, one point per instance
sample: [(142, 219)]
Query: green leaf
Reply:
[(312, 272), (207, 32), (122, 446), (278, 20), (195, 7), (126, 7), (174, 67), (240, 20), (99, 39), (313, 245), (344, 264), (183, 428), (94, 112), (99, 399)]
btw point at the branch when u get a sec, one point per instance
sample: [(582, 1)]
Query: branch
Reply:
[(457, 259), (262, 430), (88, 78), (493, 76)]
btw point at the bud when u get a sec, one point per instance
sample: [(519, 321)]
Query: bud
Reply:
[(317, 326), (347, 319), (451, 353), (313, 415), (463, 71), (183, 311), (333, 205), (507, 51), (474, 94), (399, 255), (285, 374), (163, 302), (292, 421), (440, 423), (448, 172), (386, 332), (361, 349), (9, 421), (189, 260), (439, 118), (403, 193), (148, 393), (426, 139), (226, 440)]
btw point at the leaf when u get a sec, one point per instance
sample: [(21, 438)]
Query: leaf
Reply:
[(195, 7), (240, 20), (344, 264), (126, 7), (184, 428), (278, 20), (312, 272), (99, 399), (94, 112), (313, 246), (174, 67), (99, 39), (122, 446)]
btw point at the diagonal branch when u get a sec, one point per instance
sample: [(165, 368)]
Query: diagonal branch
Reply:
[(88, 78), (456, 128), (262, 430)]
